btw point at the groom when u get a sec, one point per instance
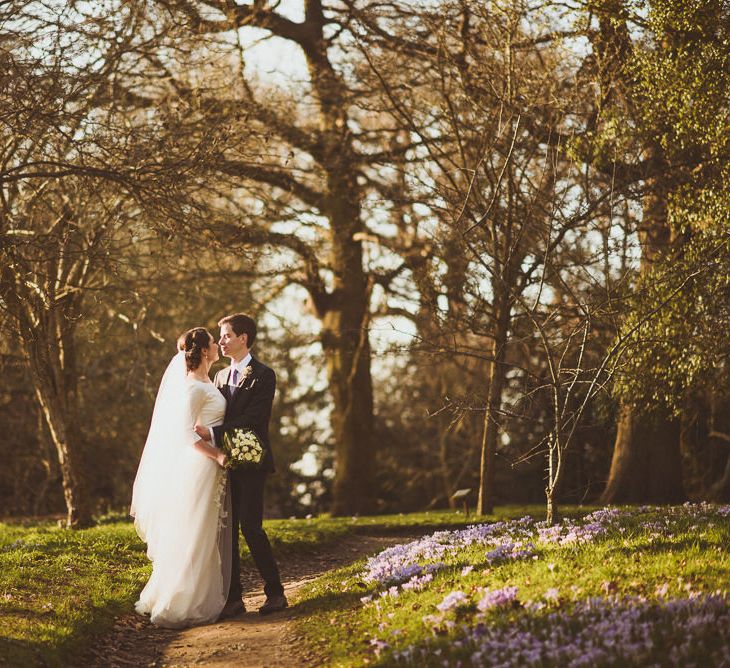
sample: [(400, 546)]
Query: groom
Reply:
[(248, 386)]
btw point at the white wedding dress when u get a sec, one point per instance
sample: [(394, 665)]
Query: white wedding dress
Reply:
[(180, 505)]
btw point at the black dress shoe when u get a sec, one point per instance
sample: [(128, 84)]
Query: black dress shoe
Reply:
[(273, 604), (232, 609)]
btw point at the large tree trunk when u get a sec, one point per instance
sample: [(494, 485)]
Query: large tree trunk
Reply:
[(347, 351), (346, 345), (647, 462), (345, 316), (720, 491)]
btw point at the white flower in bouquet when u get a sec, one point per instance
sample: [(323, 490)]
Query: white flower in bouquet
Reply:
[(243, 447)]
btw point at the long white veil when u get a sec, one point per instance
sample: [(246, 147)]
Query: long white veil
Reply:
[(156, 486)]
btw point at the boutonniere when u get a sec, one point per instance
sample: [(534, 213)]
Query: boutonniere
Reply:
[(244, 376)]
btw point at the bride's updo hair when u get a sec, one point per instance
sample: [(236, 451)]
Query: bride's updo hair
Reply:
[(194, 341)]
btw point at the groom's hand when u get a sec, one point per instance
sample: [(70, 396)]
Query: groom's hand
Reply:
[(203, 432)]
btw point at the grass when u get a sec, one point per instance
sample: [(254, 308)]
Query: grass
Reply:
[(635, 558), (59, 589)]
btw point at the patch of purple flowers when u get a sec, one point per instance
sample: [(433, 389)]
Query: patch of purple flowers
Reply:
[(572, 533), (453, 600), (598, 632), (495, 598), (418, 582), (509, 551), (400, 563), (387, 571), (407, 564)]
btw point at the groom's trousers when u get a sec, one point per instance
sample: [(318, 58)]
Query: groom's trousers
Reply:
[(247, 504)]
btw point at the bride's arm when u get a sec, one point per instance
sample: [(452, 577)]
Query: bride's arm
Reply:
[(197, 397), (210, 451)]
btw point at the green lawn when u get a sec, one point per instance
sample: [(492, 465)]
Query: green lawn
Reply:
[(61, 588), (630, 587), (58, 586)]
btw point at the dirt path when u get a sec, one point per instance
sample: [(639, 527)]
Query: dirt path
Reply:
[(249, 640)]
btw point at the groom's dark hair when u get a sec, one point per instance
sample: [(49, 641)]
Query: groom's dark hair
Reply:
[(241, 324)]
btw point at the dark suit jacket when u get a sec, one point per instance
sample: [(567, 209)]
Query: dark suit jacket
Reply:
[(250, 405)]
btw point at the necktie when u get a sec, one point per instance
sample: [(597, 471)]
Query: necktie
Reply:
[(234, 377)]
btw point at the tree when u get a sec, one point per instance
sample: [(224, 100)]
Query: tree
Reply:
[(315, 168), (505, 201), (669, 86), (75, 180)]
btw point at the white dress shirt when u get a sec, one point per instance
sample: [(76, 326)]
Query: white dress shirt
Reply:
[(240, 367)]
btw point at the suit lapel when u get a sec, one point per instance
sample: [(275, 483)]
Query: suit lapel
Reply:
[(236, 395), (247, 378)]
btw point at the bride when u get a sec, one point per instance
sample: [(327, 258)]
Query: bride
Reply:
[(179, 499)]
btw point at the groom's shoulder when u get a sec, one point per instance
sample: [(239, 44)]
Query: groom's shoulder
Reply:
[(263, 369)]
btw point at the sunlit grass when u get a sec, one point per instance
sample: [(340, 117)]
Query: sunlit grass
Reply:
[(59, 589), (58, 586), (634, 561)]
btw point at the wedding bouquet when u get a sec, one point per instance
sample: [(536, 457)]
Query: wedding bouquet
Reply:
[(243, 449)]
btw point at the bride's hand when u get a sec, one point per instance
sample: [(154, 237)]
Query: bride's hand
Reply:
[(221, 459)]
